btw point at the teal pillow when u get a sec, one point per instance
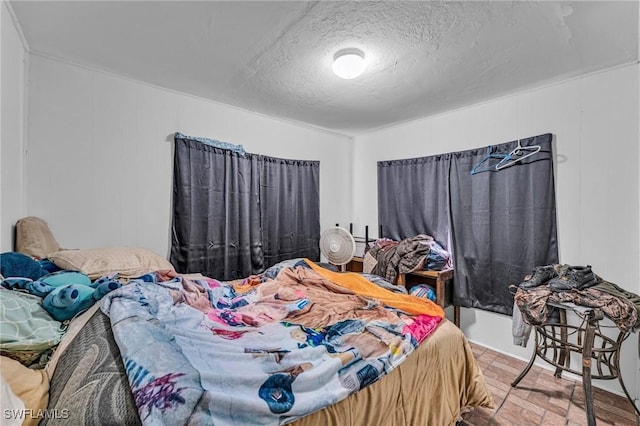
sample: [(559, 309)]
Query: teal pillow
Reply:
[(25, 325)]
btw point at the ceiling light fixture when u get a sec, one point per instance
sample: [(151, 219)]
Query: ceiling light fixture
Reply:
[(348, 63)]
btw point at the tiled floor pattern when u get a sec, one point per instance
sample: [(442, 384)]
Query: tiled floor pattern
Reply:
[(540, 398)]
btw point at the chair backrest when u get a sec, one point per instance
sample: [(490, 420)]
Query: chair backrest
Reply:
[(34, 238)]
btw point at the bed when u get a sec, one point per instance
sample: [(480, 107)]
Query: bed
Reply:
[(298, 344)]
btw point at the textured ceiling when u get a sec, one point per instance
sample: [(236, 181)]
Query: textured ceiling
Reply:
[(274, 58)]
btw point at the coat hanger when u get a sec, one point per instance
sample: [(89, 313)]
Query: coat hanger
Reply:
[(518, 153), (484, 165)]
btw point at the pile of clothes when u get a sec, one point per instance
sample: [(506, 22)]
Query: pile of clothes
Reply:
[(388, 258), (563, 283)]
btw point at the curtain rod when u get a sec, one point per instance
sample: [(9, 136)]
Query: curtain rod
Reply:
[(212, 142)]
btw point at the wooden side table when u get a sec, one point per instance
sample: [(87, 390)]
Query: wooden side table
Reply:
[(442, 281), (555, 341)]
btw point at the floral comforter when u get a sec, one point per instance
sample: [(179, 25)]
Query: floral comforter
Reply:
[(265, 350)]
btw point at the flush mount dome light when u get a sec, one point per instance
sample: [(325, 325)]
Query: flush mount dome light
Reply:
[(348, 63)]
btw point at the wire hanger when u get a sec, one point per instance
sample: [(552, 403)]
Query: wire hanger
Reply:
[(518, 153), (485, 165)]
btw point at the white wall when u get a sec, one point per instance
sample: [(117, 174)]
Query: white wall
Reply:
[(595, 123), (100, 160), (12, 87)]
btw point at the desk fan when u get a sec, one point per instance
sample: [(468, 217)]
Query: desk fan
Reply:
[(337, 245)]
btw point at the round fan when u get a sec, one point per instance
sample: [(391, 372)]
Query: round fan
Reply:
[(337, 245)]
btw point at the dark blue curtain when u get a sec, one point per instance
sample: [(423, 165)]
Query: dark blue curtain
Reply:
[(289, 194), (498, 224), (235, 213), (413, 198)]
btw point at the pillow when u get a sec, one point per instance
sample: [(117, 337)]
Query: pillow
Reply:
[(31, 386), (26, 328), (33, 237), (127, 262)]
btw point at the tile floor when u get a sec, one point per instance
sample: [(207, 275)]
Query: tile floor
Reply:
[(540, 398)]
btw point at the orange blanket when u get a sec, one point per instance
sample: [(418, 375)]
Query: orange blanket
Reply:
[(359, 284)]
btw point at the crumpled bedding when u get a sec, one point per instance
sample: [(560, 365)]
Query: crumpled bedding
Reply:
[(432, 387), (198, 352), (429, 388)]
